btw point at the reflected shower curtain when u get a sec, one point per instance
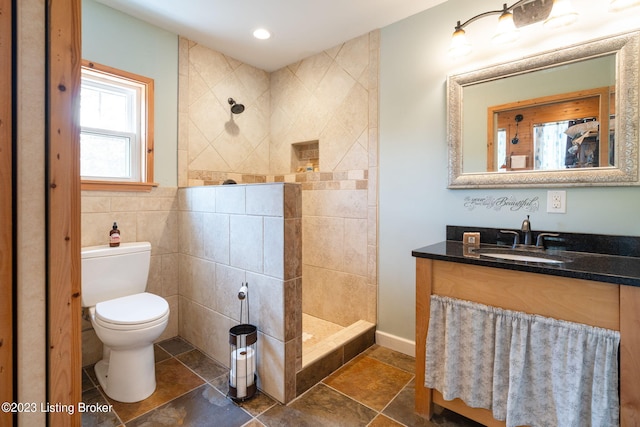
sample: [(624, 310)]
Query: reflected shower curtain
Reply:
[(549, 142), (527, 369)]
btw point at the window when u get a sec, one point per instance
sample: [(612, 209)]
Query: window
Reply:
[(116, 129)]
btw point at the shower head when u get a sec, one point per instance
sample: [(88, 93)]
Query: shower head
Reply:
[(235, 108)]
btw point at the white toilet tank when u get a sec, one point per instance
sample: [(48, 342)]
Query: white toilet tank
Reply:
[(109, 273)]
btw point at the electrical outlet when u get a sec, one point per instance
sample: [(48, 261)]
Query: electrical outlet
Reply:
[(556, 201)]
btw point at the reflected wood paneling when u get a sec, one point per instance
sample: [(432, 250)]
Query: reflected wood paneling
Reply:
[(626, 49)]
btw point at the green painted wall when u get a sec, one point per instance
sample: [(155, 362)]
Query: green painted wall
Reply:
[(415, 205), (112, 38)]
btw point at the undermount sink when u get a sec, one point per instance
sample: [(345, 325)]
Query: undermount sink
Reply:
[(526, 258), (520, 255)]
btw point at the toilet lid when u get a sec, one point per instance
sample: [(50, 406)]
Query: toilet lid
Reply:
[(132, 309)]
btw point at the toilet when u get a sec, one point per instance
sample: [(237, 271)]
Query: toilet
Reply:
[(126, 318)]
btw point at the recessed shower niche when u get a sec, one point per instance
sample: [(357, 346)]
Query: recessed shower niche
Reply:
[(305, 156)]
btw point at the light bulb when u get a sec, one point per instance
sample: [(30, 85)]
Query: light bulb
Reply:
[(506, 31), (261, 34), (618, 5), (561, 14), (460, 46)]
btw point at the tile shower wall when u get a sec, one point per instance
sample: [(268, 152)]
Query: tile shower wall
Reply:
[(212, 139), (151, 217), (332, 98), (244, 233)]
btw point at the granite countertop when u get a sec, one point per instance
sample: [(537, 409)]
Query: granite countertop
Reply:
[(621, 270)]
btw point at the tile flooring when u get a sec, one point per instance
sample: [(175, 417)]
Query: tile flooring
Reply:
[(374, 389)]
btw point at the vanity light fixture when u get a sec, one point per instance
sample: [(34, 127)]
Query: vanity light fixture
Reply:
[(506, 31), (618, 5), (562, 14), (554, 12), (460, 45)]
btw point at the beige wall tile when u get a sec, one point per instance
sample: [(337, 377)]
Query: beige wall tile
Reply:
[(347, 293), (173, 326), (215, 231), (203, 282), (355, 246), (231, 199), (246, 242), (271, 366), (190, 321), (157, 203), (312, 70), (183, 166), (274, 247), (95, 227), (343, 204), (266, 200), (190, 233), (354, 56), (160, 228), (168, 192), (185, 282), (354, 112), (323, 242), (215, 340), (229, 280), (356, 156), (170, 273), (217, 141), (266, 298), (204, 199), (95, 204), (211, 65), (154, 282), (125, 204)]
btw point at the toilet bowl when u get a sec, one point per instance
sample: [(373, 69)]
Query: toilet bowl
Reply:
[(125, 318), (127, 369)]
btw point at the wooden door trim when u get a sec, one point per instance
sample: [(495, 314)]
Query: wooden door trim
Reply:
[(7, 283), (63, 231)]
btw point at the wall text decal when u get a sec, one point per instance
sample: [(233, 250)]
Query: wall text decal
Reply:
[(508, 202)]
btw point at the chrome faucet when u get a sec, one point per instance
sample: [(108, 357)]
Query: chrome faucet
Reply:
[(526, 231), (516, 237), (541, 236), (527, 236)]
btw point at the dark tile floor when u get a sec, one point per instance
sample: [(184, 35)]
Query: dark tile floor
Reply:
[(375, 389)]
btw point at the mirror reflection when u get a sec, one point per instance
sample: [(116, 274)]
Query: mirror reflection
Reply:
[(564, 117), (561, 117)]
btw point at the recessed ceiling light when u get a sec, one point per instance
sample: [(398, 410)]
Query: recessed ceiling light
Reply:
[(261, 34)]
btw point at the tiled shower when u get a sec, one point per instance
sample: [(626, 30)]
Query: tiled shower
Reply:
[(322, 221)]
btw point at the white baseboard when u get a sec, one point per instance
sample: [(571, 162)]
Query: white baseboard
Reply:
[(396, 343)]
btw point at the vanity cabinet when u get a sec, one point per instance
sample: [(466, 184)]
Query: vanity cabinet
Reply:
[(595, 303)]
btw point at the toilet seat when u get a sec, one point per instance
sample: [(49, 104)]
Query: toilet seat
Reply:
[(132, 312)]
